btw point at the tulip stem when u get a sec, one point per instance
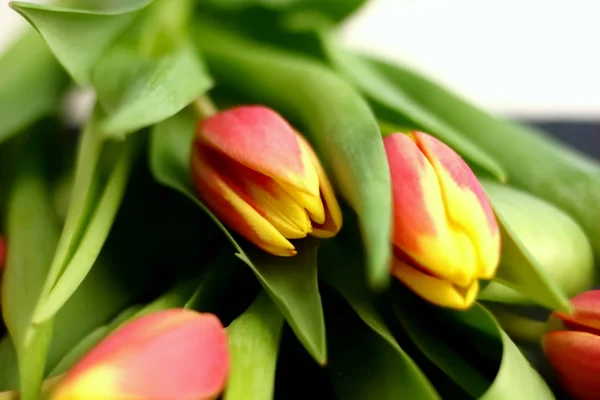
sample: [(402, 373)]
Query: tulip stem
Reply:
[(204, 107)]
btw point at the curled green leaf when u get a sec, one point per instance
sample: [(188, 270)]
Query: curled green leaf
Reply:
[(546, 256), (78, 37)]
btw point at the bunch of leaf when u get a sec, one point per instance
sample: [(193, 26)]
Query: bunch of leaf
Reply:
[(114, 239)]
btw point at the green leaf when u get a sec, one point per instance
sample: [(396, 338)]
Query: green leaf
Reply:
[(365, 359), (290, 281), (101, 177), (335, 118), (546, 256), (31, 84), (403, 109), (139, 92), (471, 348), (33, 233), (152, 71), (254, 344), (532, 161), (78, 37)]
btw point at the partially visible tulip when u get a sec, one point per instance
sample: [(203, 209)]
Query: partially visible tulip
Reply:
[(2, 254), (574, 351), (445, 232), (263, 179), (175, 354)]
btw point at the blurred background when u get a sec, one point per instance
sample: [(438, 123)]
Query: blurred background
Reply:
[(534, 60)]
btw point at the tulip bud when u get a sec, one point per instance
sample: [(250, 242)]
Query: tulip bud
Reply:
[(445, 233), (262, 179), (574, 352), (175, 354)]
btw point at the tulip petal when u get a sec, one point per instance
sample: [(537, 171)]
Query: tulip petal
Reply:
[(332, 223), (433, 289), (229, 201), (174, 354), (421, 226), (260, 139), (575, 356), (467, 205), (586, 312)]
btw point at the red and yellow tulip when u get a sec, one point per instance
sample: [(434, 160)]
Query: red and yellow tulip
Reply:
[(169, 355), (574, 351), (445, 233), (263, 179)]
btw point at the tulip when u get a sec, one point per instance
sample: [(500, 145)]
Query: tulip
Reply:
[(263, 179), (175, 354), (445, 234), (574, 350)]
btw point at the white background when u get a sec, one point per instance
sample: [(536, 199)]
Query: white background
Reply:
[(527, 58)]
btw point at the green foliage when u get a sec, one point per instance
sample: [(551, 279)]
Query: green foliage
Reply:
[(33, 233), (402, 109), (471, 348), (254, 345), (369, 361), (31, 84)]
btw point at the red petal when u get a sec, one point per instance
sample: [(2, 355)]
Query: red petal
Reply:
[(586, 313), (258, 138), (575, 356), (438, 152), (170, 355), (411, 218)]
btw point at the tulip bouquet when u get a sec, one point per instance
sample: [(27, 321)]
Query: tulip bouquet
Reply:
[(205, 199)]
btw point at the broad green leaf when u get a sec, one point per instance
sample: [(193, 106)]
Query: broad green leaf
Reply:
[(139, 92), (365, 359), (471, 348), (546, 257), (253, 345), (532, 161), (333, 115), (377, 87), (31, 83), (78, 37), (290, 281), (152, 71), (33, 233), (101, 177)]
